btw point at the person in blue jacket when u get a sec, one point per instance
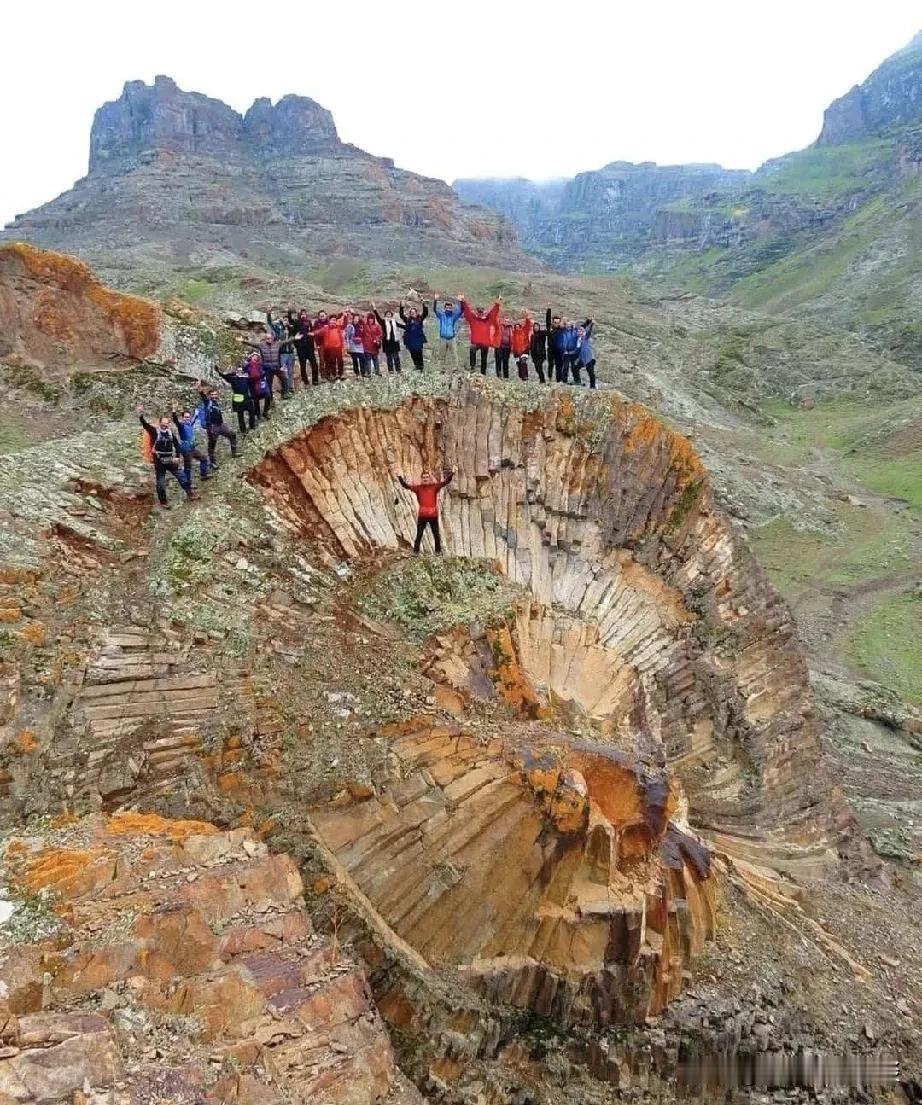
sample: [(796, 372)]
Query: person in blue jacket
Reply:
[(448, 315), (570, 354), (585, 357), (414, 336), (556, 347), (186, 429)]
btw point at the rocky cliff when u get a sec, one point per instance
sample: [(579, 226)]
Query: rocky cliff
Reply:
[(890, 97), (176, 178)]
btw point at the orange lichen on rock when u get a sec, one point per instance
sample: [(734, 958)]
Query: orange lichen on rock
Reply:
[(69, 872), (67, 305), (152, 824)]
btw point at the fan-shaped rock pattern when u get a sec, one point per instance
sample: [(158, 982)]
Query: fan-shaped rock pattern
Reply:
[(577, 894)]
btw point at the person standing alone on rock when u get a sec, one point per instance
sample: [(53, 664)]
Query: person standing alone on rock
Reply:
[(448, 315), (427, 498)]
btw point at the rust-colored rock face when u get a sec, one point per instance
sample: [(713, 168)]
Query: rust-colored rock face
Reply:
[(647, 614), (185, 969), (551, 871), (549, 877), (54, 313)]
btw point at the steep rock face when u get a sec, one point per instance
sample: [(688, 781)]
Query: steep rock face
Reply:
[(146, 118), (608, 216), (54, 313), (176, 178), (194, 970), (624, 537), (890, 97)]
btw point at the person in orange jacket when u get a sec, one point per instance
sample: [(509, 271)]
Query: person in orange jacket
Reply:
[(520, 343), (329, 332), (484, 327)]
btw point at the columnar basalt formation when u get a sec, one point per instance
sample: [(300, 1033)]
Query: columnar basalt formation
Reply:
[(606, 517), (551, 871), (177, 962), (548, 877)]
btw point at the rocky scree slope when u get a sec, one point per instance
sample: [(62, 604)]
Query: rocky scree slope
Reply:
[(176, 176)]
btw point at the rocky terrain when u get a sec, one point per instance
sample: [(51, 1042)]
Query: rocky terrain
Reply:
[(178, 180), (289, 815)]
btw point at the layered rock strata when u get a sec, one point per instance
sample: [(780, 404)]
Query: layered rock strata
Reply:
[(606, 517), (171, 961), (177, 178)]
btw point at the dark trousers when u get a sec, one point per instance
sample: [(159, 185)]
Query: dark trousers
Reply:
[(482, 350), (539, 368), (574, 369), (558, 365), (416, 356), (358, 361), (433, 524), (174, 468), (521, 364), (590, 371), (372, 364), (307, 355), (501, 359), (245, 414), (188, 457), (215, 432), (334, 364), (393, 359)]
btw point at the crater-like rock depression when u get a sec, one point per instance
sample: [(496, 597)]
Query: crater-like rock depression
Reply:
[(571, 874)]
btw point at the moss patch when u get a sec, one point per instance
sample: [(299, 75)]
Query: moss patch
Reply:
[(428, 594), (887, 644)]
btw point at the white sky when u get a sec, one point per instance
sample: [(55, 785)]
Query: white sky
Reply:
[(466, 88)]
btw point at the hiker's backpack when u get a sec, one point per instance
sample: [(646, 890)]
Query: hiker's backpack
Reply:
[(146, 447)]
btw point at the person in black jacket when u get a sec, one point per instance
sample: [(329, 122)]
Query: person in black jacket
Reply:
[(538, 349), (556, 347), (167, 457), (211, 417), (390, 338), (242, 401), (301, 329)]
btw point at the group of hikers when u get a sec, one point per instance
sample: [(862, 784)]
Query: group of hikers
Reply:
[(372, 341), (173, 445)]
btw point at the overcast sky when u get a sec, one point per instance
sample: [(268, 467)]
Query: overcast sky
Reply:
[(467, 88)]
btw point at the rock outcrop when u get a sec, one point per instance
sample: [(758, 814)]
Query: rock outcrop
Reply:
[(55, 315), (176, 178), (605, 516), (890, 97), (166, 960)]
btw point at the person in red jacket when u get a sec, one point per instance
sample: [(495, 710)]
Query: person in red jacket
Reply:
[(520, 342), (330, 334), (372, 336), (427, 498), (483, 326)]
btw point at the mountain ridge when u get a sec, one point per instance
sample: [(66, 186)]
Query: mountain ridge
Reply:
[(178, 178)]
